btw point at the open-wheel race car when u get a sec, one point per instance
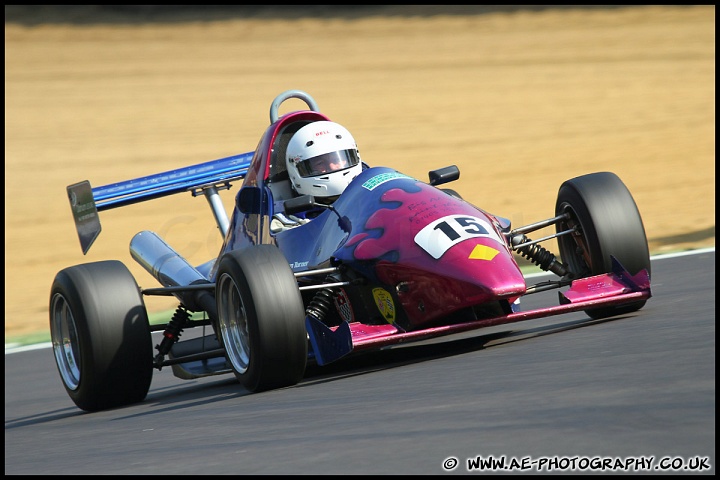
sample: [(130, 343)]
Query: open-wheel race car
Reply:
[(391, 260)]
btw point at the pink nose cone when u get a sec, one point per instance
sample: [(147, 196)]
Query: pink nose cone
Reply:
[(461, 280)]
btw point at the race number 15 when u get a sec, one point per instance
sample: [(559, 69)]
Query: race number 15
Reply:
[(437, 237)]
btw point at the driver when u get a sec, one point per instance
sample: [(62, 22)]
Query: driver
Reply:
[(322, 159)]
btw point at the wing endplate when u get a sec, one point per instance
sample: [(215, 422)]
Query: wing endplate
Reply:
[(85, 214)]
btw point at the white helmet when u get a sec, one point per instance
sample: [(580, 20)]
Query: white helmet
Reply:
[(322, 159)]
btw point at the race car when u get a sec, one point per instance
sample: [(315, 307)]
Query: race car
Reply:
[(392, 260)]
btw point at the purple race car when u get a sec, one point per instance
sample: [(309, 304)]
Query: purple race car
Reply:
[(393, 259)]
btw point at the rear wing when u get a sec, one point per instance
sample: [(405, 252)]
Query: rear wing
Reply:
[(86, 201)]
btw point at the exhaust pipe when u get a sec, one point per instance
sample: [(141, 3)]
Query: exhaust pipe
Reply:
[(172, 270)]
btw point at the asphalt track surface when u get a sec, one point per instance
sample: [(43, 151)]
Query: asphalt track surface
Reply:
[(549, 393)]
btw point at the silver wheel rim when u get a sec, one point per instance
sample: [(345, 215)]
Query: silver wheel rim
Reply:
[(232, 318), (65, 342)]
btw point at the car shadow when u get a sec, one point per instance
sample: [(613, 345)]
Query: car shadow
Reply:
[(168, 394), (408, 354)]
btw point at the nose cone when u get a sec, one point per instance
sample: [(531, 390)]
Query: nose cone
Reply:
[(438, 253), (470, 274)]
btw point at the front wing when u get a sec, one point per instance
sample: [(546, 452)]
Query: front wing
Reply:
[(610, 289)]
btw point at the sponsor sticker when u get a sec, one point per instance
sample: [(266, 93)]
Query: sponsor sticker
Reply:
[(385, 304), (295, 265), (377, 180), (483, 252), (342, 304)]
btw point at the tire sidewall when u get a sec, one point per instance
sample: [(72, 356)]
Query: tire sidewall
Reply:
[(275, 316), (230, 265), (115, 353)]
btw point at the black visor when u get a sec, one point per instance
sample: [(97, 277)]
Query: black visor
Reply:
[(328, 163)]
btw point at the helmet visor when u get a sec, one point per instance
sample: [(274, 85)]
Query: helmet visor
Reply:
[(328, 163)]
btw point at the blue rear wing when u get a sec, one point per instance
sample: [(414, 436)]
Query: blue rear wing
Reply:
[(175, 181), (86, 201)]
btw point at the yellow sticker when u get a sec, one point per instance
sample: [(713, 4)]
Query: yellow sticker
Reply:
[(385, 304), (483, 252)]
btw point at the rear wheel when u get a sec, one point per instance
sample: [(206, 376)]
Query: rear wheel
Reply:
[(261, 318), (100, 335), (609, 225)]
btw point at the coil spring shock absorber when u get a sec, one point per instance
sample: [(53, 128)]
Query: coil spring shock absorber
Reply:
[(172, 332), (320, 305), (538, 255)]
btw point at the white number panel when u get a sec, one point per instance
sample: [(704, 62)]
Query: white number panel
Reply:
[(437, 237)]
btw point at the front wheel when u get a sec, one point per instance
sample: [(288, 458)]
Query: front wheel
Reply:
[(261, 318), (452, 193), (609, 224), (100, 335)]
